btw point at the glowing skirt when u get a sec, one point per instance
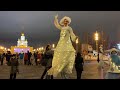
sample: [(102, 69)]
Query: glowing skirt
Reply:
[(63, 61)]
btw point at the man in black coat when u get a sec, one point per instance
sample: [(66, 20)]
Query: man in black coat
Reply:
[(8, 56), (29, 55), (79, 65)]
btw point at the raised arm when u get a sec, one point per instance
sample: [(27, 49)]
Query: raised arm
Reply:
[(56, 22)]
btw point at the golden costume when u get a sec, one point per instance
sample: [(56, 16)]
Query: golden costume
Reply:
[(64, 54)]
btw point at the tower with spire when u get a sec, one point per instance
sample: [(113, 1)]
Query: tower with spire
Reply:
[(22, 41)]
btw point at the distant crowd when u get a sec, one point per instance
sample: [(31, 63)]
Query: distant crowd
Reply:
[(29, 58)]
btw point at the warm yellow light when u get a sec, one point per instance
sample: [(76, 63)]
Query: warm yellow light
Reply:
[(53, 45), (96, 36), (39, 48), (34, 50), (77, 41), (1, 47), (8, 49), (42, 48), (22, 34)]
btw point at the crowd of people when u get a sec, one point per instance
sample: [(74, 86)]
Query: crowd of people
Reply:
[(14, 60), (23, 58)]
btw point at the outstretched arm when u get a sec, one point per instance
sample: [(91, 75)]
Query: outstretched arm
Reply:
[(56, 22), (73, 36)]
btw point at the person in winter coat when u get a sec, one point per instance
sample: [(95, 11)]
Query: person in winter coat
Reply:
[(2, 58), (48, 56), (39, 56), (8, 56), (25, 59), (21, 56), (14, 67), (29, 56), (32, 59), (35, 56), (79, 65)]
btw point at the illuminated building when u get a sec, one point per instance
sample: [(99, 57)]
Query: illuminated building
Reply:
[(22, 41), (22, 45)]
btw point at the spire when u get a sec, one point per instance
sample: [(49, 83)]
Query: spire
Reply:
[(22, 34)]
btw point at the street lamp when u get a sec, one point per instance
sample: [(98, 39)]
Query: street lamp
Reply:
[(96, 39), (77, 45)]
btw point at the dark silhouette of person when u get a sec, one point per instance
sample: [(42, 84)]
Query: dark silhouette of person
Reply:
[(79, 65), (98, 59), (35, 55), (2, 58), (25, 59), (48, 56), (14, 66), (8, 56), (29, 56)]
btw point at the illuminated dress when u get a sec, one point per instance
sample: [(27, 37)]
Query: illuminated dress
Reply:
[(64, 54), (114, 63)]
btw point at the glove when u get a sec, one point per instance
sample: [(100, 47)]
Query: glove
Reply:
[(56, 16)]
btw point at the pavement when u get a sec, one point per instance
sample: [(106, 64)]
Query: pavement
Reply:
[(35, 72)]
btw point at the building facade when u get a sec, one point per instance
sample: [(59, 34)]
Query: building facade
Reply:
[(22, 45)]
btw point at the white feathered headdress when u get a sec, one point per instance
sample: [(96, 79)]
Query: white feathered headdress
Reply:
[(67, 18), (113, 49)]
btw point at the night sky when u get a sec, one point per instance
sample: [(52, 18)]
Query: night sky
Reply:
[(39, 28)]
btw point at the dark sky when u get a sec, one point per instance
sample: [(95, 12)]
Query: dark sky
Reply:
[(39, 28)]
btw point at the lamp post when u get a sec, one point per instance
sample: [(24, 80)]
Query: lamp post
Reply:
[(96, 39), (77, 45)]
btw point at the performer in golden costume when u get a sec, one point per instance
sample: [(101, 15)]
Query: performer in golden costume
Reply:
[(64, 54)]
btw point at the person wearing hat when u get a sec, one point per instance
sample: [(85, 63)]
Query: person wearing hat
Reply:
[(64, 54), (114, 65)]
